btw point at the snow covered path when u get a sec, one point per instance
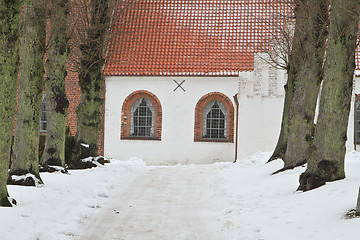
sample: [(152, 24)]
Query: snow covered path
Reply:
[(131, 201), (162, 203)]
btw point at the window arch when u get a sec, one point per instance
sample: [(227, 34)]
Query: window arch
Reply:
[(214, 118), (141, 116)]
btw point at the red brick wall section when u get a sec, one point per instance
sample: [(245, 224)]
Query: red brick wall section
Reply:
[(126, 111), (199, 110), (102, 112), (73, 94)]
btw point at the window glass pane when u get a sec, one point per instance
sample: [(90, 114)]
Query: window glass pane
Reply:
[(215, 122), (148, 121), (222, 115), (43, 126), (148, 131), (357, 137), (142, 123), (136, 130), (142, 131), (358, 114), (222, 123), (214, 133), (143, 102), (215, 113), (221, 133)]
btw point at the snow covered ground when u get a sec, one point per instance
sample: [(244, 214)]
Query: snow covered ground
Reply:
[(129, 200)]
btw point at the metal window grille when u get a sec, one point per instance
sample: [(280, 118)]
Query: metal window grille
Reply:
[(43, 119), (143, 119), (215, 122)]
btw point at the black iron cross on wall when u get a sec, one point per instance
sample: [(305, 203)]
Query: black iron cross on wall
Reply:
[(179, 85)]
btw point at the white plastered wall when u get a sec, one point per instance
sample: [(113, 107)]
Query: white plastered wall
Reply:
[(350, 144), (261, 98), (177, 144)]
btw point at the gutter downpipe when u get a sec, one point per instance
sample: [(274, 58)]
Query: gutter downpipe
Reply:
[(236, 125)]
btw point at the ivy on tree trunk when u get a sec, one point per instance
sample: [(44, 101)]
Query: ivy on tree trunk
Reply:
[(56, 100), (9, 59), (25, 157), (327, 154)]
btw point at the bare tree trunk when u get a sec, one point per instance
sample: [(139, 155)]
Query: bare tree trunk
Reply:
[(9, 58), (25, 157), (306, 54), (306, 71), (326, 162), (281, 145), (91, 83), (56, 100)]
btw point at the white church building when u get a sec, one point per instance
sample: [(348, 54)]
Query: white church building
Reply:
[(185, 82)]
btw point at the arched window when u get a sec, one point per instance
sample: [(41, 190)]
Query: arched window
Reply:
[(141, 117), (214, 118)]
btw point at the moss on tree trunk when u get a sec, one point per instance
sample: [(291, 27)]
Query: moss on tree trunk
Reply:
[(326, 161), (306, 73), (9, 58), (56, 100), (92, 48), (32, 45), (91, 83)]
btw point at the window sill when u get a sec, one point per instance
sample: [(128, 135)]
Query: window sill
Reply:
[(142, 138), (213, 140)]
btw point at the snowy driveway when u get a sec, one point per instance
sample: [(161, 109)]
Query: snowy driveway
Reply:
[(162, 203)]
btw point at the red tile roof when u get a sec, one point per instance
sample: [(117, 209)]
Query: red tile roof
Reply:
[(191, 37)]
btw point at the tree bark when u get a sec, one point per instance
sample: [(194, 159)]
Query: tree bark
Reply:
[(306, 73), (309, 38), (281, 145), (326, 161), (25, 157), (9, 59), (56, 100), (91, 83)]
